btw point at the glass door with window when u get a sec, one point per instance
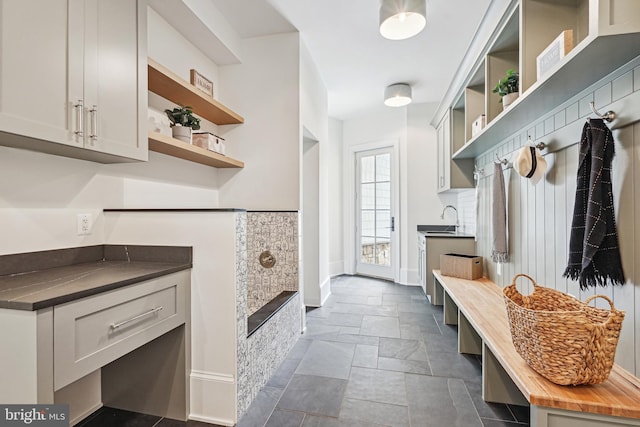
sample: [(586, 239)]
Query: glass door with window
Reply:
[(374, 213)]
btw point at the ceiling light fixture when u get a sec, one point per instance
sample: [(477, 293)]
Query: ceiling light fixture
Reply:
[(397, 95), (401, 19)]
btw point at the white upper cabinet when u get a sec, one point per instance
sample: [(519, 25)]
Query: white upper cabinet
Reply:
[(452, 174), (33, 70), (73, 78)]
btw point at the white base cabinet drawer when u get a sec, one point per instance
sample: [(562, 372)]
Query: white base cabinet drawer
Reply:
[(94, 331)]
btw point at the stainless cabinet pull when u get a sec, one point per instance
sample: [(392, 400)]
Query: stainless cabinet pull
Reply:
[(79, 106), (115, 326), (94, 122)]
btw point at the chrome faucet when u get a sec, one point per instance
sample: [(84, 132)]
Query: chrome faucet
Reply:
[(455, 210)]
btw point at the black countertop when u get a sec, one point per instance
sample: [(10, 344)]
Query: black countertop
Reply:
[(37, 280), (442, 231)]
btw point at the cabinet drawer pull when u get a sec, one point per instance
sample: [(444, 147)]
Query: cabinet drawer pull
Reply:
[(115, 326), (79, 106), (94, 122)]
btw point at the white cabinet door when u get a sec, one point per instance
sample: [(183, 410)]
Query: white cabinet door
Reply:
[(73, 73), (114, 55), (33, 72), (444, 153)]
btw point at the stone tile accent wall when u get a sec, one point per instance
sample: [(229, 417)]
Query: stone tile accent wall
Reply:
[(265, 351), (260, 355), (276, 232)]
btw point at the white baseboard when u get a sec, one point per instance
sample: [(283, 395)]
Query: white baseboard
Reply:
[(409, 277), (213, 398), (336, 268), (325, 290), (212, 420)]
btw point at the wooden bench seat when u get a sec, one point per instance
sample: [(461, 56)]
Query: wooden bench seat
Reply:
[(478, 307)]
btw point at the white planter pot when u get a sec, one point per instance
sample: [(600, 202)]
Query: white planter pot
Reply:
[(508, 99), (182, 133)]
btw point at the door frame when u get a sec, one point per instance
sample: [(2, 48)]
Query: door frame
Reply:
[(349, 203)]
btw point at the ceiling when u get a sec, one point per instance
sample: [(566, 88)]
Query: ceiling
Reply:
[(355, 62)]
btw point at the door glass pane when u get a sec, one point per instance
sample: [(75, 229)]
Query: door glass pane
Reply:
[(367, 167), (383, 195), (368, 196), (368, 223), (383, 224), (383, 167)]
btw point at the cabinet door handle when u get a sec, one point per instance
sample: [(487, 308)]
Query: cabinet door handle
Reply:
[(94, 122), (115, 326), (79, 107)]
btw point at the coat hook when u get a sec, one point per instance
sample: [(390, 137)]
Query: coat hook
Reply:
[(608, 116), (540, 145), (503, 161)]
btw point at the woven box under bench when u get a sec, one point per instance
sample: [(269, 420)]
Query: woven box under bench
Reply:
[(462, 266)]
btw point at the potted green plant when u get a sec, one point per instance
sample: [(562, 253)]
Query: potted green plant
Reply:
[(507, 88), (182, 122)]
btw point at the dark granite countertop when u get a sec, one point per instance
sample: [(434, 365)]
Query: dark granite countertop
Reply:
[(37, 280), (442, 231)]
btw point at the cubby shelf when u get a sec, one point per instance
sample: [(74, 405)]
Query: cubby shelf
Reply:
[(611, 42), (170, 86), (170, 146)]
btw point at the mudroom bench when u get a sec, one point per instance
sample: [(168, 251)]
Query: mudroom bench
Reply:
[(478, 308)]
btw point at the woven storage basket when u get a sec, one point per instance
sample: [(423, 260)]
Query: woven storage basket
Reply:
[(563, 339)]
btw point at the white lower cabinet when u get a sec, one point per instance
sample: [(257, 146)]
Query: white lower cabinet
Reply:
[(73, 78), (127, 348), (94, 331)]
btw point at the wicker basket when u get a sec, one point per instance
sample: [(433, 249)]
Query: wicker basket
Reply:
[(563, 339)]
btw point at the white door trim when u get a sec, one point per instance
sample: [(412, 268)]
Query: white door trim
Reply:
[(350, 205)]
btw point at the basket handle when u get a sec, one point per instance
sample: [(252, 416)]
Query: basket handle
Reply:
[(513, 281), (515, 288), (606, 298)]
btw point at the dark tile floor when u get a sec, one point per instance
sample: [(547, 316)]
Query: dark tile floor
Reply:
[(111, 417), (377, 354)]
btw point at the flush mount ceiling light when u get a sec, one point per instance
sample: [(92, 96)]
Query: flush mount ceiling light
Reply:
[(401, 19), (397, 95)]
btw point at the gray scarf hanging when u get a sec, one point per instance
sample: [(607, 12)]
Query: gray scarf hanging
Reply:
[(594, 254), (500, 252)]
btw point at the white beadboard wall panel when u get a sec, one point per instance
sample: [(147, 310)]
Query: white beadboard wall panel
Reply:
[(540, 215)]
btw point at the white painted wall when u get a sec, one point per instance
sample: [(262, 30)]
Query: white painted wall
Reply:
[(386, 125), (419, 202), (335, 203), (423, 204), (265, 90), (310, 235), (315, 123)]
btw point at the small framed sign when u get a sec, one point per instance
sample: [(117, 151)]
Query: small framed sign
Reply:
[(554, 52), (201, 82)]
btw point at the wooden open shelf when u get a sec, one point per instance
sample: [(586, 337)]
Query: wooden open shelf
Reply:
[(167, 84), (604, 39), (176, 148)]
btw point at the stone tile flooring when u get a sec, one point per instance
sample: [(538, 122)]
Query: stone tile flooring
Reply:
[(377, 354)]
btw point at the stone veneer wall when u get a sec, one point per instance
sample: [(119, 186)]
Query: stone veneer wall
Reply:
[(276, 232), (259, 356)]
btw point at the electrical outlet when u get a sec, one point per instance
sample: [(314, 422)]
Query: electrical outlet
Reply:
[(85, 222)]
